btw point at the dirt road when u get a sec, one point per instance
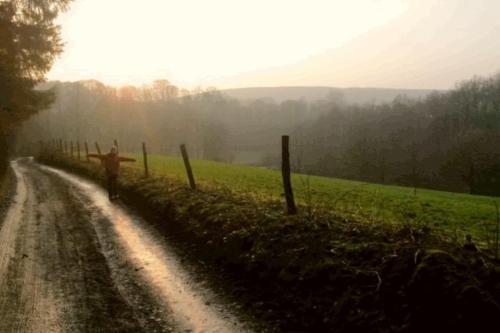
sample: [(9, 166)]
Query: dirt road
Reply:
[(71, 261)]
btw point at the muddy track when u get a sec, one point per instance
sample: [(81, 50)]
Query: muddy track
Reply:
[(70, 261)]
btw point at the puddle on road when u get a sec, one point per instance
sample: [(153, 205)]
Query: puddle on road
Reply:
[(194, 307)]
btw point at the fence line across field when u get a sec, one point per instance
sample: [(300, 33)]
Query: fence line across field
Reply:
[(57, 145), (348, 200)]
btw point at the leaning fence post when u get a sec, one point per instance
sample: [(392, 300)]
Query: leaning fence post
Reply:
[(87, 151), (145, 158), (71, 148), (189, 171), (98, 149), (78, 150), (285, 171)]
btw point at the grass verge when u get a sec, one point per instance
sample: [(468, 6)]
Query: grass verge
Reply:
[(457, 214), (7, 190), (320, 272)]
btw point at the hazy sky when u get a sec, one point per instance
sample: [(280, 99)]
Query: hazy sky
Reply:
[(231, 43)]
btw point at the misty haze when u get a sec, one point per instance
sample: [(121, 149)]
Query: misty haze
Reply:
[(249, 166)]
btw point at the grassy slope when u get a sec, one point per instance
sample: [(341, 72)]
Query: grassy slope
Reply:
[(454, 212), (321, 272)]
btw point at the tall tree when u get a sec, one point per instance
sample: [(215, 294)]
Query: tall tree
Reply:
[(29, 43)]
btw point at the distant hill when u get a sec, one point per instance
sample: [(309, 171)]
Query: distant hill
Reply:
[(310, 94)]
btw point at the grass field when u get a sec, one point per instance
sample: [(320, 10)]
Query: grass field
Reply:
[(454, 212)]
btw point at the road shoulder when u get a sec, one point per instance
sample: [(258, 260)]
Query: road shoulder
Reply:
[(7, 192)]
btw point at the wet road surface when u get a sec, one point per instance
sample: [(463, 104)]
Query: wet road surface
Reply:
[(71, 261)]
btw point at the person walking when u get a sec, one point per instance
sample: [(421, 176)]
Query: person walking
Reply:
[(111, 163)]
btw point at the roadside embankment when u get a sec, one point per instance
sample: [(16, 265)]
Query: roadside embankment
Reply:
[(7, 191), (316, 271)]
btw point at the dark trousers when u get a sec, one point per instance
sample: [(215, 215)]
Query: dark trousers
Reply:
[(112, 185)]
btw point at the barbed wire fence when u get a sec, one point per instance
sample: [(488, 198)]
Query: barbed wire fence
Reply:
[(80, 150), (349, 199)]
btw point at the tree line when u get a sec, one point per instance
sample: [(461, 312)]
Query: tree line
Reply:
[(447, 140), (210, 123)]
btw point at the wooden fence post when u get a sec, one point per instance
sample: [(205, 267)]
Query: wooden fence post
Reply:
[(87, 151), (116, 145), (98, 149), (145, 157), (71, 149), (189, 171), (497, 232), (285, 171), (78, 150)]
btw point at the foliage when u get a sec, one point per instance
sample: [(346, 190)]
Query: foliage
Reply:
[(29, 43), (444, 141), (214, 126)]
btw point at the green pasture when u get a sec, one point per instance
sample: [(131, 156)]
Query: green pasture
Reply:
[(455, 212)]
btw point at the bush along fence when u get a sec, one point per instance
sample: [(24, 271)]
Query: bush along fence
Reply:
[(74, 152)]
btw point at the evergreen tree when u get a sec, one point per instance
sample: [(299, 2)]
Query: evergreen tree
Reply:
[(29, 43)]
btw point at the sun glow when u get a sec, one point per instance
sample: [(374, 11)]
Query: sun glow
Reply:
[(197, 42)]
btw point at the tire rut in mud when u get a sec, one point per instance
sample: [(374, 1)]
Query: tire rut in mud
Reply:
[(55, 276)]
